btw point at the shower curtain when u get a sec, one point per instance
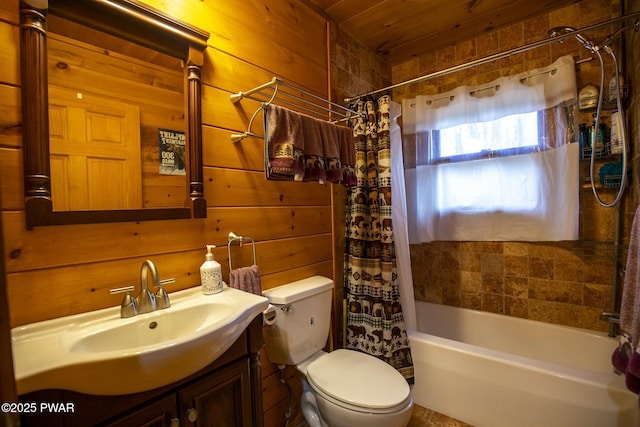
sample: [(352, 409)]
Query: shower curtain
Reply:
[(375, 321), (400, 221)]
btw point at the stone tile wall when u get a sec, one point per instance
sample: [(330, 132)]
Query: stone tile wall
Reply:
[(355, 69), (565, 283)]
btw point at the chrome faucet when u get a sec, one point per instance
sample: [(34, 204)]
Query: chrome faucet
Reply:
[(146, 301)]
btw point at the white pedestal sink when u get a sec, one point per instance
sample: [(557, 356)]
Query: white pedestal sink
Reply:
[(100, 353)]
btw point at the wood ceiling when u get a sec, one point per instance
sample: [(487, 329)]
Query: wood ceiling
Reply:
[(403, 29)]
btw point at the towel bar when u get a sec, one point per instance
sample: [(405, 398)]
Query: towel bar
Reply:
[(300, 99), (233, 237)]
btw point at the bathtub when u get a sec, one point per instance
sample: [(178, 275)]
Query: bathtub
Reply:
[(491, 370)]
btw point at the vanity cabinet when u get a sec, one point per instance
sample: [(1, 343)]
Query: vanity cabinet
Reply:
[(218, 401), (227, 393), (162, 413)]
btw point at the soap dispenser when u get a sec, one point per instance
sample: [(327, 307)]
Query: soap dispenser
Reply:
[(210, 274)]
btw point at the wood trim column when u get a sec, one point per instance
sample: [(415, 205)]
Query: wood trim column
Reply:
[(194, 126), (35, 113)]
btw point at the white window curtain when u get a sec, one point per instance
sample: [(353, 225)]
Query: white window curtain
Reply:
[(523, 197)]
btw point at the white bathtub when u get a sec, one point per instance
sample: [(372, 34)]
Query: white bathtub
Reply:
[(492, 370)]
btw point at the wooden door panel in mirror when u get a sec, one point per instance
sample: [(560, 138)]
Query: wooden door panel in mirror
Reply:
[(94, 145)]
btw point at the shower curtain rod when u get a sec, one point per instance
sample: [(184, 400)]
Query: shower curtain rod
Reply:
[(495, 56)]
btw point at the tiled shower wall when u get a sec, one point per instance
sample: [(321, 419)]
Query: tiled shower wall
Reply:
[(540, 281), (355, 69), (558, 282)]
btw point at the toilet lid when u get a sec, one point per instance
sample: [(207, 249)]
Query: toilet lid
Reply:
[(358, 379)]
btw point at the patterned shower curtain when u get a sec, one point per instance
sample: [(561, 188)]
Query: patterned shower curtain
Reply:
[(375, 323)]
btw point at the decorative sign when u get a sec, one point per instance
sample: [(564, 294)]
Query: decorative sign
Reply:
[(172, 156)]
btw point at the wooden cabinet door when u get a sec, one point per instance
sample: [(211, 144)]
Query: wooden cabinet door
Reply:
[(161, 413), (220, 400)]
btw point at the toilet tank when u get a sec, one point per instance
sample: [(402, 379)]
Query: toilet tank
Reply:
[(303, 317)]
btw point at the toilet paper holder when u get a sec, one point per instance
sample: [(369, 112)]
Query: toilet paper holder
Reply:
[(269, 316)]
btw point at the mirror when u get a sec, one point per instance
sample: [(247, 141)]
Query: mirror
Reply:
[(159, 143), (116, 122)]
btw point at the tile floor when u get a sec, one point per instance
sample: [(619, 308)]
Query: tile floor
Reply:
[(422, 417)]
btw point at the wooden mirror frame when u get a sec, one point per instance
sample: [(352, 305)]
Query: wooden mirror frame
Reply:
[(129, 20)]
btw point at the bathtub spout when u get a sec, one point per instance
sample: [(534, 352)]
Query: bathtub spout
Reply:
[(611, 317)]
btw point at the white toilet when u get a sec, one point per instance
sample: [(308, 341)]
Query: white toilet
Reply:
[(344, 388)]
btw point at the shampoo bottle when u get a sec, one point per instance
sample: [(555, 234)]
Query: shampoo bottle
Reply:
[(615, 88), (616, 143), (598, 135), (210, 274)]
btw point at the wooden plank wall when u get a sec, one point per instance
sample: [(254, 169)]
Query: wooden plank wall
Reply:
[(61, 270)]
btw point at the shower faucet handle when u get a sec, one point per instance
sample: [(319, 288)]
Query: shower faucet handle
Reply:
[(610, 316)]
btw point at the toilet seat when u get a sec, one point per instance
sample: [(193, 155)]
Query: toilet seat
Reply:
[(358, 382)]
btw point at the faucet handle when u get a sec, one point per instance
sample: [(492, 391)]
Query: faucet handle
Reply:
[(162, 298), (166, 281), (128, 306)]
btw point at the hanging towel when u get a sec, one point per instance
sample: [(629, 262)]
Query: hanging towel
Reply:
[(246, 279), (347, 146), (331, 140), (284, 145), (302, 148), (630, 307), (626, 358), (313, 133)]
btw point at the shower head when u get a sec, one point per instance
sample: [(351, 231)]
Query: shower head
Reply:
[(561, 31)]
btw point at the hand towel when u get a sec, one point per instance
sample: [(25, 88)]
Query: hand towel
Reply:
[(302, 148), (347, 146), (331, 143), (284, 145), (246, 279), (630, 306), (314, 158), (626, 358)]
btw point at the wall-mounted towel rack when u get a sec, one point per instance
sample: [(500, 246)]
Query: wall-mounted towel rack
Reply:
[(234, 238), (297, 98)]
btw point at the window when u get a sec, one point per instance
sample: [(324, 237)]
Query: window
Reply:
[(480, 186), (506, 136), (497, 165)]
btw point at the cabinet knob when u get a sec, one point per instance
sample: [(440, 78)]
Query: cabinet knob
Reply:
[(174, 422), (192, 415)]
